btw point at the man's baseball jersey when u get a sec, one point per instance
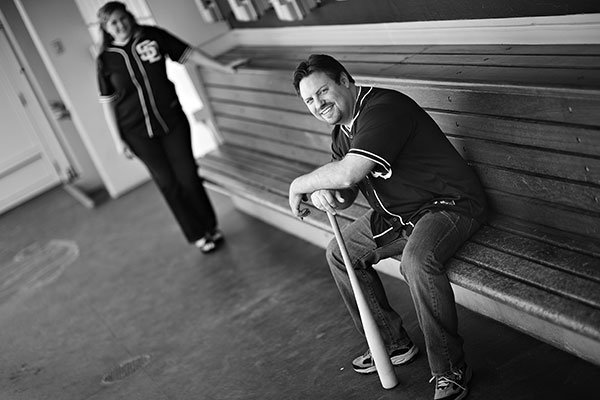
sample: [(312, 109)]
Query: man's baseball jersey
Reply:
[(134, 77), (417, 168)]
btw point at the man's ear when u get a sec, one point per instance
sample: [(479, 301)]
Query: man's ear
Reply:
[(344, 80)]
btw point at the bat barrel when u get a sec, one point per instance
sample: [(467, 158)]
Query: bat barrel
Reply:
[(384, 366)]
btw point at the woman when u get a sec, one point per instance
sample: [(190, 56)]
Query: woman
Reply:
[(145, 117)]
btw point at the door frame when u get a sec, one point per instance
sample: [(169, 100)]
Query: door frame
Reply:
[(37, 109)]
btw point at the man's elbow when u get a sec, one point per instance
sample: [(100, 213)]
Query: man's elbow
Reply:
[(351, 179)]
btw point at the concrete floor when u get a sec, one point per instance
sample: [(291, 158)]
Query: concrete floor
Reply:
[(260, 319)]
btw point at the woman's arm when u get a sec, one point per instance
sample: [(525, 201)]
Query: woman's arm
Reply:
[(203, 60), (113, 128)]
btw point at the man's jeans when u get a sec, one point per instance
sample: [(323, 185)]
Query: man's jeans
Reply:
[(435, 238)]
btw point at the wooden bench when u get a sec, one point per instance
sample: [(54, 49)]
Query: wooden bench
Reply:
[(527, 118)]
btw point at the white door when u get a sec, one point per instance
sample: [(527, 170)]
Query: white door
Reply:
[(26, 167)]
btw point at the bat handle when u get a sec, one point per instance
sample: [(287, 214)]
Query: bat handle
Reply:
[(384, 366)]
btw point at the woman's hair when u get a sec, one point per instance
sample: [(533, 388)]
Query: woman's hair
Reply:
[(104, 14), (320, 63)]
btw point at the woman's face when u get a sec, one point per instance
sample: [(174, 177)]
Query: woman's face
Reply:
[(119, 26)]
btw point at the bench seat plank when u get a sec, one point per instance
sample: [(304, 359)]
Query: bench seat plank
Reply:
[(523, 269), (264, 176), (570, 261), (260, 170), (524, 117), (507, 264), (570, 314), (553, 237)]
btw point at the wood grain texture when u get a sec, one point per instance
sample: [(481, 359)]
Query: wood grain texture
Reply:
[(524, 117)]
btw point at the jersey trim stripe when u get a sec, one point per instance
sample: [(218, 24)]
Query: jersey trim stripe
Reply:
[(373, 157), (185, 56), (148, 87), (108, 99), (383, 233), (388, 211), (359, 102), (137, 86)]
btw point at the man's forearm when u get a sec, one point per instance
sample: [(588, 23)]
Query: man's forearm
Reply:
[(334, 175)]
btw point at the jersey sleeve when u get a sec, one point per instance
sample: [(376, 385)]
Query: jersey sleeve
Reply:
[(381, 134), (175, 48), (106, 90)]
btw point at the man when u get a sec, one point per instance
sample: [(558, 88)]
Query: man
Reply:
[(426, 202)]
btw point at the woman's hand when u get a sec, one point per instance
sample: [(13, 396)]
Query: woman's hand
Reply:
[(124, 150), (232, 66)]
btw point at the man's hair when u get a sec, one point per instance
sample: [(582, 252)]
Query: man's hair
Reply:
[(320, 63)]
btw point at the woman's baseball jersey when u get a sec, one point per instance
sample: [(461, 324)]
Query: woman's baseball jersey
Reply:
[(134, 77), (417, 168)]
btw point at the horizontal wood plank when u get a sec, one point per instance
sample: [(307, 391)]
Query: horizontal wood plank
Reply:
[(545, 214), (553, 237), (558, 137), (292, 136), (570, 314), (543, 253), (275, 117), (569, 194), (530, 133), (549, 61), (528, 278), (571, 167), (525, 117), (514, 75), (556, 281), (566, 107), (531, 160), (276, 149), (487, 49)]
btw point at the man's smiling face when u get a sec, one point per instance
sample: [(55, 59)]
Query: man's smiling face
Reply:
[(328, 101)]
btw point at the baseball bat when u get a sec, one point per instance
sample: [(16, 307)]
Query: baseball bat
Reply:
[(385, 370)]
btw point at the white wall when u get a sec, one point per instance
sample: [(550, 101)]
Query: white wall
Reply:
[(88, 177), (182, 18), (74, 74)]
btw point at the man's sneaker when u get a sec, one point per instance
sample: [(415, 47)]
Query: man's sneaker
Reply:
[(365, 364), (452, 386)]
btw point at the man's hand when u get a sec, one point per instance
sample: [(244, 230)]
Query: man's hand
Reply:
[(327, 200), (295, 199)]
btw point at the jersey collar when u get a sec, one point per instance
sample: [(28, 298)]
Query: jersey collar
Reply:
[(363, 92)]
